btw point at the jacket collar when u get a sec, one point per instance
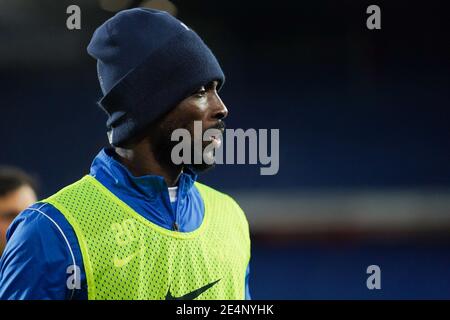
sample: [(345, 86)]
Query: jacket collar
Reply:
[(152, 187)]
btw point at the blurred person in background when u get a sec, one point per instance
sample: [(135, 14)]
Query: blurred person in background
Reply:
[(138, 226), (17, 192)]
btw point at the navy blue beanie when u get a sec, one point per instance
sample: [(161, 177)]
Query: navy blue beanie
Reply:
[(147, 62)]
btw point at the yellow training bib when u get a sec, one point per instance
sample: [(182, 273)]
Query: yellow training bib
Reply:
[(126, 256)]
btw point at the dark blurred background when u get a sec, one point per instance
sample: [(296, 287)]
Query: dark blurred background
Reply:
[(364, 119)]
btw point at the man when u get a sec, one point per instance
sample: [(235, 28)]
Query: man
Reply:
[(138, 226), (17, 192)]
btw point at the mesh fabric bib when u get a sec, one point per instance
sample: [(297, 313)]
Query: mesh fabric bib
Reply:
[(125, 256)]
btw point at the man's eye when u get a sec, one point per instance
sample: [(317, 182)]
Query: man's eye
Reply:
[(201, 93)]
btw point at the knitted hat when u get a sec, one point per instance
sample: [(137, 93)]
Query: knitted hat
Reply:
[(147, 62)]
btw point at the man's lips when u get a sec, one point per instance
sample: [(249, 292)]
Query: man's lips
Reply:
[(215, 139)]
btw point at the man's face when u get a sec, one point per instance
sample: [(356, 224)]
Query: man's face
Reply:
[(204, 105), (11, 205)]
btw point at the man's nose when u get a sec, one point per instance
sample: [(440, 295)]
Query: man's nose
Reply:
[(220, 111)]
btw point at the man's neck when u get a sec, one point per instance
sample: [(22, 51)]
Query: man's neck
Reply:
[(141, 161)]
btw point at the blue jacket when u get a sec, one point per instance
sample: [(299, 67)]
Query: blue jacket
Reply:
[(41, 244)]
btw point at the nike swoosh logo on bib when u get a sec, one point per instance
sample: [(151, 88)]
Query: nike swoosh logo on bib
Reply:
[(119, 263), (191, 295)]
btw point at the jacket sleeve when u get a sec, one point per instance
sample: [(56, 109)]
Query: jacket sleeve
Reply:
[(247, 287), (39, 257)]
